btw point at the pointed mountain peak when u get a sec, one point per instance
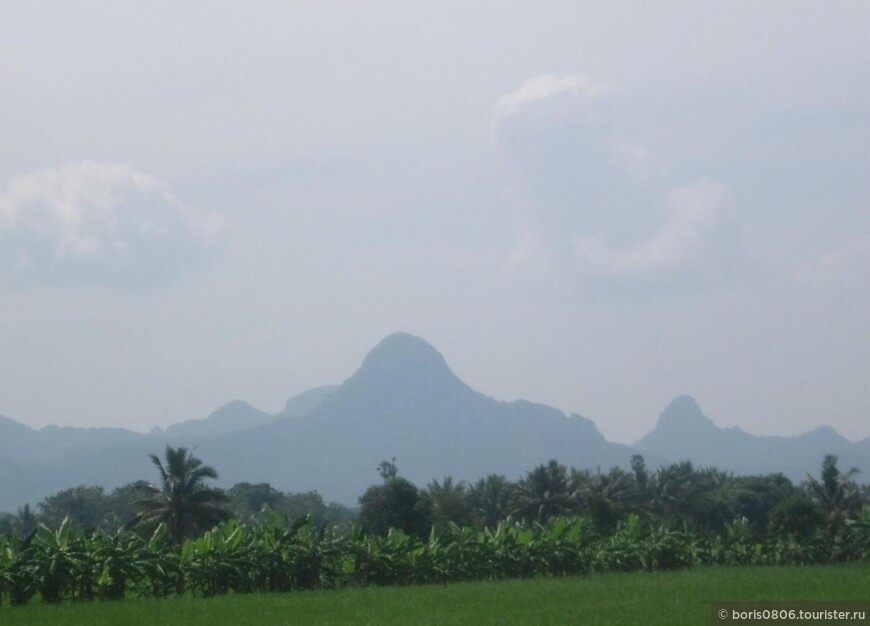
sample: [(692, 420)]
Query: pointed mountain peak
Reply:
[(402, 361), (683, 412), (401, 352)]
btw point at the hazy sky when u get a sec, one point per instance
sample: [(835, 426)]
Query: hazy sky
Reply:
[(598, 206)]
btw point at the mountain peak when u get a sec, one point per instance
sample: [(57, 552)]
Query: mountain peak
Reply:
[(231, 417), (403, 364), (683, 412), (401, 354)]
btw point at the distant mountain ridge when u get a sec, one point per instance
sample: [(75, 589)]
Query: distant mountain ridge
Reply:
[(403, 402), (239, 415), (22, 443), (683, 432)]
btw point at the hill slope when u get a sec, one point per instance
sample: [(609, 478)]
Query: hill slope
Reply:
[(684, 432)]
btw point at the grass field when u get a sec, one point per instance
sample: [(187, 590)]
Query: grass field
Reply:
[(669, 598)]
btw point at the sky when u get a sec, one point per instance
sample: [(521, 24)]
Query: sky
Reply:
[(595, 205)]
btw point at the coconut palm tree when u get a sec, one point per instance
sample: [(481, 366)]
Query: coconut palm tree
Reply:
[(543, 494), (836, 493), (449, 502), (605, 498), (489, 499), (182, 501)]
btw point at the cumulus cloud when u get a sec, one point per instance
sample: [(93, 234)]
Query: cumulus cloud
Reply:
[(544, 87), (99, 223), (692, 212), (590, 201)]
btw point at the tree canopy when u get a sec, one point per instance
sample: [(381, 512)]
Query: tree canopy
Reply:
[(182, 499)]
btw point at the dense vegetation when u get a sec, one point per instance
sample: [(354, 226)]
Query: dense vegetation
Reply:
[(554, 521)]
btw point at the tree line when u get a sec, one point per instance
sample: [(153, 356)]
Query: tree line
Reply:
[(183, 536), (679, 494), (91, 508)]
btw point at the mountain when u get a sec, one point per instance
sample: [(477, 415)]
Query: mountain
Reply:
[(239, 415), (16, 485), (858, 456), (683, 432), (231, 417), (306, 401), (14, 436), (403, 402), (29, 445)]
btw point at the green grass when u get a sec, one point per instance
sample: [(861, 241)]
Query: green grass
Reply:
[(669, 598)]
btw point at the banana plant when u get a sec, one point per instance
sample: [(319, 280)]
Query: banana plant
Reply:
[(219, 561), (57, 561), (17, 578), (859, 532), (159, 566), (119, 559), (313, 556)]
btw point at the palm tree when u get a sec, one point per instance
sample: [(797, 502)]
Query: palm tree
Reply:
[(681, 493), (489, 499), (836, 493), (606, 498), (182, 501), (543, 494), (449, 502)]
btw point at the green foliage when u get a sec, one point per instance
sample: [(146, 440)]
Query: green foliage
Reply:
[(449, 502), (796, 516), (253, 504), (754, 497), (17, 576), (563, 523), (182, 501), (68, 564), (121, 504), (543, 494), (859, 532), (7, 524), (26, 521), (395, 504), (489, 500), (85, 506), (606, 499), (388, 469), (837, 495)]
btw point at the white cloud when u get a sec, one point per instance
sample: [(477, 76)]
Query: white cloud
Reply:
[(98, 223), (692, 212), (544, 87), (587, 201)]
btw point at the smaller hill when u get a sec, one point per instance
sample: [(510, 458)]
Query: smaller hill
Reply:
[(232, 417), (683, 432), (23, 444), (306, 401), (239, 415)]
